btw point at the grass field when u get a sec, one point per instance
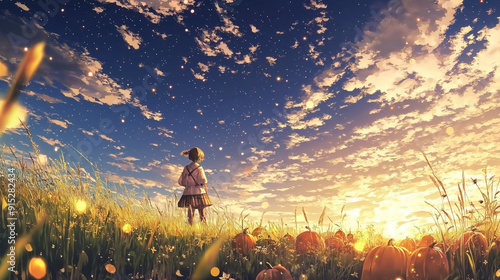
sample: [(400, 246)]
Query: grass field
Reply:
[(84, 228)]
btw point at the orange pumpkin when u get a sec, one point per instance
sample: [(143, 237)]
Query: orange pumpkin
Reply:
[(426, 241), (287, 239), (340, 235), (243, 243), (266, 242), (350, 238), (258, 231), (409, 243), (429, 263), (276, 272), (334, 243), (385, 262), (309, 241), (471, 243)]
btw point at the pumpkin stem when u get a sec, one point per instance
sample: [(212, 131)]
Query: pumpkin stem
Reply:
[(270, 265), (245, 231), (390, 242), (308, 228), (432, 245)]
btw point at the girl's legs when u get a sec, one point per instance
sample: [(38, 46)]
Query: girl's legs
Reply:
[(190, 215), (201, 211)]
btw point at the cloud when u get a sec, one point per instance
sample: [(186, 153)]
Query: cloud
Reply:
[(22, 6), (154, 10), (98, 10), (132, 39), (52, 142), (63, 124), (271, 60), (44, 97), (295, 139), (254, 29)]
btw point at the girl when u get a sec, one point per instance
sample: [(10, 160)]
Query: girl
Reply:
[(195, 195)]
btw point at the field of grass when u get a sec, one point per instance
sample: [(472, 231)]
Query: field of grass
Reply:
[(84, 228)]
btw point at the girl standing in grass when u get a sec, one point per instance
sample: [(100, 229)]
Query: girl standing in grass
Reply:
[(195, 195)]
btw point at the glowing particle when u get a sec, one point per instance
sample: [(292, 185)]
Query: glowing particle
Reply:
[(28, 247), (192, 11), (392, 107), (56, 149), (62, 10), (170, 86), (153, 90), (278, 78), (419, 254), (195, 127), (123, 121), (304, 38), (211, 145), (399, 278), (418, 19), (173, 97), (127, 228), (265, 205), (187, 30), (242, 154), (406, 43), (80, 206), (37, 268), (90, 74), (450, 131), (220, 148), (303, 277), (497, 273), (182, 66), (215, 271), (110, 268), (360, 245), (50, 58), (25, 49)]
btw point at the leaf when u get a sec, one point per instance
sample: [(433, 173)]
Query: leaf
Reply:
[(320, 221), (305, 216), (208, 260)]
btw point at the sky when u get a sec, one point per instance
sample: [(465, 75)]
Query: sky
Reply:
[(296, 104)]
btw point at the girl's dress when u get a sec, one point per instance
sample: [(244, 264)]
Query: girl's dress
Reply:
[(193, 179)]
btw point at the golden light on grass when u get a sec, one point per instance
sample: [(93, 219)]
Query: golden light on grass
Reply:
[(80, 206), (42, 159), (497, 274), (359, 245), (215, 271), (127, 228), (208, 261), (37, 268), (110, 268)]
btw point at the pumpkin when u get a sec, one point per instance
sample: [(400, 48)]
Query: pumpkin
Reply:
[(243, 243), (385, 262), (266, 242), (426, 241), (340, 235), (471, 243), (276, 272), (334, 243), (258, 231), (428, 263), (308, 241), (409, 243), (494, 256), (287, 239), (350, 238)]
